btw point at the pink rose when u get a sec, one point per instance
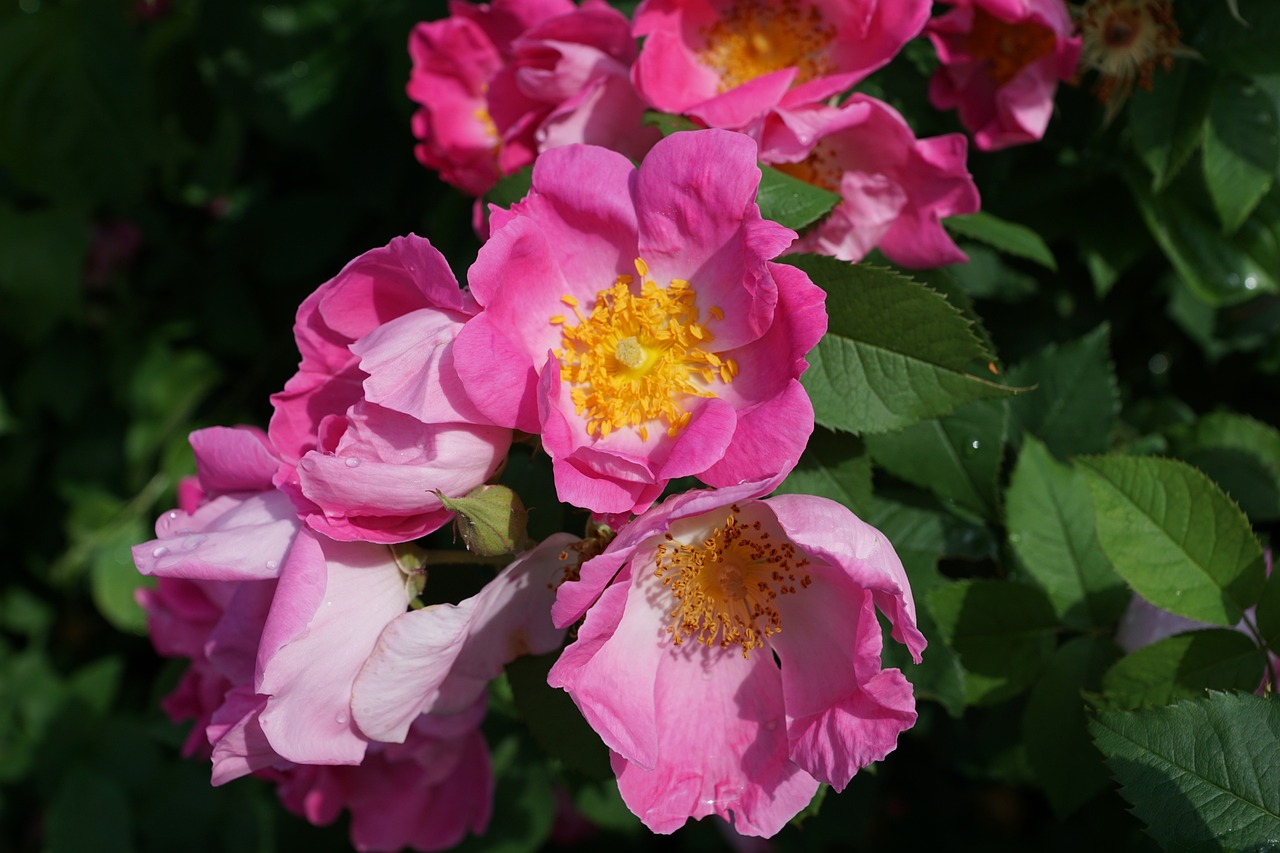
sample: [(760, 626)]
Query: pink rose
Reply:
[(895, 189), (376, 420), (730, 654), (633, 319), (1001, 63), (497, 88), (728, 62)]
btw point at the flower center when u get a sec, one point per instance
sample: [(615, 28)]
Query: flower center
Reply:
[(819, 168), (726, 586), (1006, 48), (1125, 41), (753, 38), (638, 356)]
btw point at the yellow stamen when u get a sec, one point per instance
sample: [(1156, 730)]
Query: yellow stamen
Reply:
[(726, 586), (639, 356), (752, 38)]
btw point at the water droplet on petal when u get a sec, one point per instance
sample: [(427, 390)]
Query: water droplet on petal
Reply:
[(193, 542), (341, 719), (352, 462), (306, 464), (160, 552), (272, 565)]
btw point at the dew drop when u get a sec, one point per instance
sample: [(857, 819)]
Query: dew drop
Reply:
[(1250, 283), (172, 515), (160, 552), (192, 542), (272, 565), (352, 462), (1158, 364), (341, 719), (306, 464)]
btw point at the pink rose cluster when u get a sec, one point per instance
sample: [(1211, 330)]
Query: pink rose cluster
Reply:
[(630, 317), (499, 84)]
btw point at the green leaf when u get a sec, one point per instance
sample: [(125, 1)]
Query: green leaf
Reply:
[(1241, 454), (1009, 237), (1175, 537), (986, 276), (668, 123), (1241, 149), (921, 536), (1267, 615), (957, 457), (1055, 730), (1075, 398), (1222, 270), (553, 719), (1242, 42), (836, 466), (114, 580), (41, 262), (1183, 667), (1003, 632), (1167, 122), (791, 201), (511, 188), (1051, 529), (895, 351), (1200, 774)]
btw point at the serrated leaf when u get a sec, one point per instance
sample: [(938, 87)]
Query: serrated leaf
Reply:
[(1074, 400), (1009, 237), (790, 201), (1167, 122), (1267, 616), (1202, 774), (1241, 149), (1184, 666), (1175, 537), (957, 457), (986, 276), (1241, 454), (1003, 632), (895, 351), (835, 466), (1050, 520), (1055, 730)]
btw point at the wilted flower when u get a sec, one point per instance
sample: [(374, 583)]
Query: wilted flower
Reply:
[(730, 654), (1125, 41), (634, 320)]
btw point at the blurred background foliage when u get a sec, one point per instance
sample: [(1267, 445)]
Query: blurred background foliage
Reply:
[(176, 175)]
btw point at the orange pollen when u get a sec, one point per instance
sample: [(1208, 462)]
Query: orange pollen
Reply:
[(753, 38), (726, 587), (640, 355), (1006, 48), (819, 168)]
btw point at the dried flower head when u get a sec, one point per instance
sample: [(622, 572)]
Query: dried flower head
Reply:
[(1125, 41)]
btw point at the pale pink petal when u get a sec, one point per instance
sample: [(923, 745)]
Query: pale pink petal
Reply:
[(236, 459)]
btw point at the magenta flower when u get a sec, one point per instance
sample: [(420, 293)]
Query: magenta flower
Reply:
[(376, 421), (895, 189), (632, 317), (728, 62), (730, 654), (1001, 63), (499, 84)]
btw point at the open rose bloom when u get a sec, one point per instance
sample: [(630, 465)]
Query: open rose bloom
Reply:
[(1001, 62), (730, 655), (729, 62), (634, 319)]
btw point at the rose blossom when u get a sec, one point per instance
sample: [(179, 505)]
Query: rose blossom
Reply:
[(895, 189), (376, 421), (632, 317), (730, 654), (728, 62), (1001, 63), (499, 84)]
